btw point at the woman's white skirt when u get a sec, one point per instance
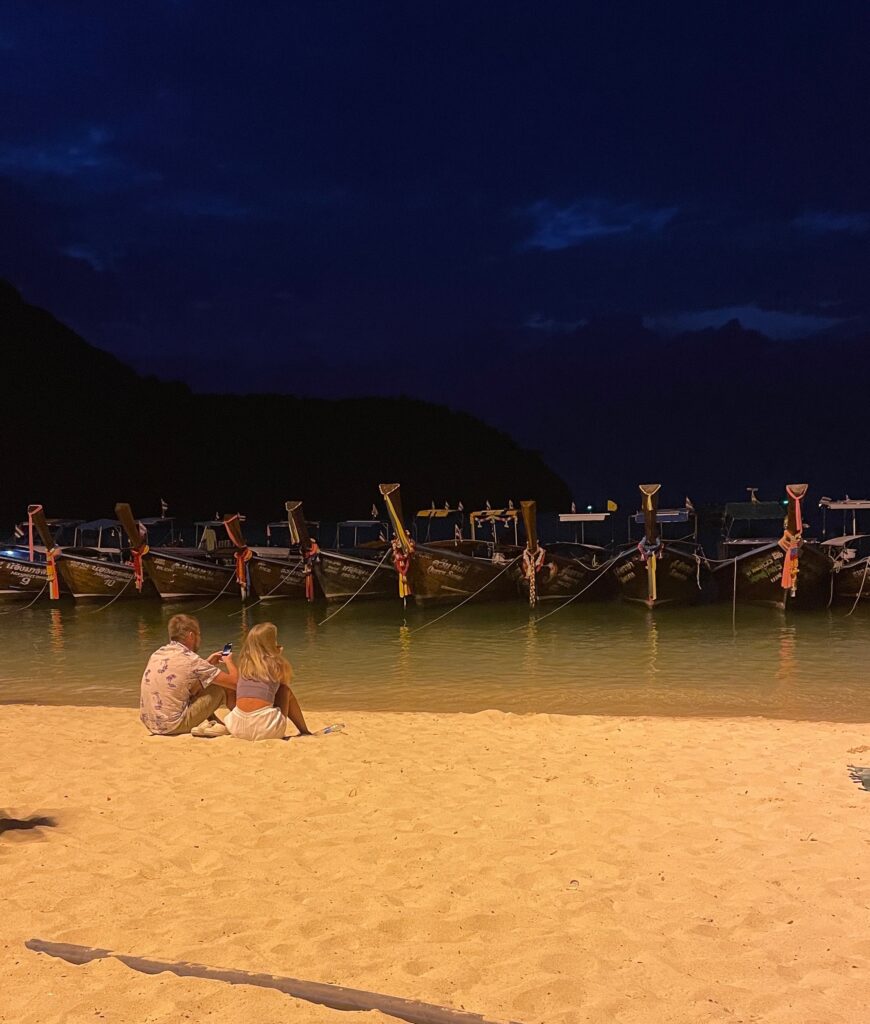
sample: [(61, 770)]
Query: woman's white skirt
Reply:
[(264, 724)]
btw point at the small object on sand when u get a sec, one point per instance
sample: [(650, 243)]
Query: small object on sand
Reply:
[(210, 729), (859, 775), (335, 996), (335, 727)]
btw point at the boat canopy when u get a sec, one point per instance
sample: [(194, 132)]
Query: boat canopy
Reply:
[(846, 505), (666, 515), (96, 525), (840, 542), (583, 517), (754, 510)]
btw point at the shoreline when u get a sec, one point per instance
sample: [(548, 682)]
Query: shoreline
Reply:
[(533, 867)]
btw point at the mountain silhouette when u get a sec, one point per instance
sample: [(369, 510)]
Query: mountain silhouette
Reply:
[(83, 430)]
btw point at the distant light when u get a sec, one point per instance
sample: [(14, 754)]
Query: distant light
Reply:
[(12, 554), (588, 508), (785, 501)]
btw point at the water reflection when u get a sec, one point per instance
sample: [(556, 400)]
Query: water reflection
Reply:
[(585, 659)]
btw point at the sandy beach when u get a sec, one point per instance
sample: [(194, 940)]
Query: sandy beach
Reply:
[(529, 868)]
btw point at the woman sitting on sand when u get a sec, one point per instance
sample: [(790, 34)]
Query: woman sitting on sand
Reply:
[(264, 700)]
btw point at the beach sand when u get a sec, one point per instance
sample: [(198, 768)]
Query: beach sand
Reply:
[(530, 868)]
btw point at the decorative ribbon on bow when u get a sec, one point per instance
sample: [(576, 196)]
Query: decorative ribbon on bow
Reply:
[(136, 555), (532, 565), (650, 554), (309, 557), (51, 573), (243, 570), (402, 562), (791, 544)]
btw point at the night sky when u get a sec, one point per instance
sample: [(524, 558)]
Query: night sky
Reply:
[(334, 198)]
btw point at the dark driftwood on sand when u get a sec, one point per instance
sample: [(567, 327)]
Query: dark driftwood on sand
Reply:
[(333, 996)]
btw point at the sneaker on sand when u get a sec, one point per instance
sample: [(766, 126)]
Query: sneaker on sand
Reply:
[(210, 729)]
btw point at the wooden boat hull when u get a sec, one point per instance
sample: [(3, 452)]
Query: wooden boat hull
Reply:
[(755, 578), (178, 578), (445, 575), (342, 575), (852, 581), (566, 574), (274, 578), (21, 579), (87, 578), (681, 577)]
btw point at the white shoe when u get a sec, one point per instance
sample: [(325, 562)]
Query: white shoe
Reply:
[(209, 729)]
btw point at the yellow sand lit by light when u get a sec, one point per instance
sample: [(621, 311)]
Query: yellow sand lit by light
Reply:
[(535, 868)]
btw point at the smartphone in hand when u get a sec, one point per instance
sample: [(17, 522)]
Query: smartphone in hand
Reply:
[(228, 648)]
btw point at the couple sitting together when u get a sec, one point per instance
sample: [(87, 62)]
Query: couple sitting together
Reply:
[(181, 691)]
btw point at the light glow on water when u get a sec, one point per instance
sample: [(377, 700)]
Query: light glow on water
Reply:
[(586, 659)]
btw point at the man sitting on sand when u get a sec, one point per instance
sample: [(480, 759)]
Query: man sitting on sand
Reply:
[(181, 691)]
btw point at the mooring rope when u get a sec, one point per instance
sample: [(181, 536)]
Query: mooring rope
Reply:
[(232, 579), (860, 589), (93, 611), (603, 570), (456, 607), (389, 551), (254, 604), (9, 611)]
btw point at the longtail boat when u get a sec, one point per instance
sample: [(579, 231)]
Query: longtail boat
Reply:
[(361, 571), (657, 570), (270, 573), (766, 569), (25, 569), (563, 569), (446, 571), (850, 550), (179, 574), (95, 565)]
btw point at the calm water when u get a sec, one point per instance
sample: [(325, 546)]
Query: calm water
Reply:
[(599, 659)]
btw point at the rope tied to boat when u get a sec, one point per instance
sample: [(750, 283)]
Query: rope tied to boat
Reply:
[(601, 572), (368, 580), (456, 607)]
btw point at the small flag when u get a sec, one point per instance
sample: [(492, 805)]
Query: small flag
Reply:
[(446, 506), (374, 511), (460, 507), (382, 537), (268, 532), (433, 503), (689, 504), (164, 508), (573, 507), (488, 504), (18, 531), (611, 505), (510, 503), (457, 533)]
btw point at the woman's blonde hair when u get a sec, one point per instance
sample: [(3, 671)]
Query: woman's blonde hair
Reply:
[(261, 657)]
